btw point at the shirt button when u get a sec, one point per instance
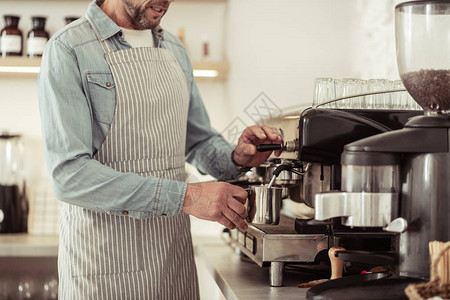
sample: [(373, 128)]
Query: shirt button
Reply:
[(125, 213), (108, 84), (164, 215)]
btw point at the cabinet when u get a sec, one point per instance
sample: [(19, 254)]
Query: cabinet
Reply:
[(29, 266)]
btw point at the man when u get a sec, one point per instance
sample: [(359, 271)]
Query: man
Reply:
[(120, 115)]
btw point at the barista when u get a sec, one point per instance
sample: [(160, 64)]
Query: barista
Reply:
[(120, 116)]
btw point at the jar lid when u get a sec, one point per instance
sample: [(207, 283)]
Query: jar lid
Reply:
[(5, 134), (39, 18), (12, 17), (70, 19)]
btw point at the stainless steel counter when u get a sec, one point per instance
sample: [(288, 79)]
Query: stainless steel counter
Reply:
[(242, 279)]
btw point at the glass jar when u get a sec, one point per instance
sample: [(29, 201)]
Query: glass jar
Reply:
[(13, 200), (11, 37), (70, 19), (37, 37)]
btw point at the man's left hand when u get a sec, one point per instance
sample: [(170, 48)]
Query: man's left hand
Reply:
[(245, 153)]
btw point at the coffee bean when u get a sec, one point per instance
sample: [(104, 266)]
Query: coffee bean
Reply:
[(430, 88)]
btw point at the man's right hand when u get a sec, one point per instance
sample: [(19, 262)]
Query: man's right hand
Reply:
[(217, 201)]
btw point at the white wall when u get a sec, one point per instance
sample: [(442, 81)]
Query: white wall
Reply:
[(281, 47), (275, 47)]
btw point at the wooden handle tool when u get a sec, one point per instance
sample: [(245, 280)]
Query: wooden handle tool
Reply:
[(337, 264)]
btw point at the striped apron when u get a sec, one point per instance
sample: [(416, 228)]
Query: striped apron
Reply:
[(103, 256)]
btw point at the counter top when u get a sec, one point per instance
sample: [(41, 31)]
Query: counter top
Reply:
[(28, 245), (242, 279), (236, 277)]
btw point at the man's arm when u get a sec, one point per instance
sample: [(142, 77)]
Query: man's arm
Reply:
[(76, 177)]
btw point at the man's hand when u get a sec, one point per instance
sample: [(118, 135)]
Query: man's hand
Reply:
[(245, 153), (217, 201)]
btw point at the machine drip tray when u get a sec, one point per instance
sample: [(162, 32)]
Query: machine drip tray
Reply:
[(286, 226), (375, 286)]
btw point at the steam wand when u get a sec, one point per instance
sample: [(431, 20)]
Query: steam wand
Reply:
[(277, 172), (286, 167)]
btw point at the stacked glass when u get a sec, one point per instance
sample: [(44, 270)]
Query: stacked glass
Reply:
[(354, 93)]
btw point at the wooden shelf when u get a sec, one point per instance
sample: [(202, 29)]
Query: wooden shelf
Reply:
[(221, 67), (23, 244), (26, 67)]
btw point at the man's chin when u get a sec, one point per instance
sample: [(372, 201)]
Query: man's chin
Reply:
[(147, 24), (152, 21)]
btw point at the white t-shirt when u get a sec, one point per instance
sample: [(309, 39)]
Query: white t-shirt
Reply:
[(138, 38)]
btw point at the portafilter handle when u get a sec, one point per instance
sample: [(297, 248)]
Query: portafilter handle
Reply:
[(269, 147), (289, 146)]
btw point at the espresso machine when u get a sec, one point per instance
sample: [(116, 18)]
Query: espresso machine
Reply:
[(309, 166), (377, 180)]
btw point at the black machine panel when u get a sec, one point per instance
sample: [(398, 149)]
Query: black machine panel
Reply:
[(324, 132)]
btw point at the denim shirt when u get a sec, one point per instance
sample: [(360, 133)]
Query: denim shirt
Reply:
[(77, 95)]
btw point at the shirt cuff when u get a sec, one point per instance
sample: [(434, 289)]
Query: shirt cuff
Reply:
[(167, 201), (170, 199)]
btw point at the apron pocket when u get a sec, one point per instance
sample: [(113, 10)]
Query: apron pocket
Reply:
[(105, 244), (102, 95)]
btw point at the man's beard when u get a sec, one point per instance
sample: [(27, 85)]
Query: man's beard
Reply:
[(138, 17)]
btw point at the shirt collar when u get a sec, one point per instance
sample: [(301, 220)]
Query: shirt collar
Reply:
[(103, 25), (106, 27)]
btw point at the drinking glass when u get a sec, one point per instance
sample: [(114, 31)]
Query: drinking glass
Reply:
[(347, 87), (399, 100), (387, 99), (26, 288), (375, 101), (7, 287), (324, 91), (340, 93), (50, 288)]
